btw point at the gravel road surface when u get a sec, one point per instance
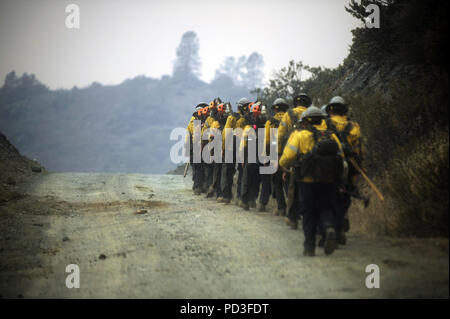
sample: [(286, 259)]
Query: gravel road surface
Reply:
[(186, 246)]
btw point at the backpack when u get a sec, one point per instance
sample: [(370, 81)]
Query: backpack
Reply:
[(323, 162), (342, 136), (295, 126), (294, 118), (273, 120)]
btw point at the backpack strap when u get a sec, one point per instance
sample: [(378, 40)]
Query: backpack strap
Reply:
[(342, 135), (293, 116)]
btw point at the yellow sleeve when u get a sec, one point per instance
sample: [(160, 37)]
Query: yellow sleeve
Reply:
[(190, 133), (267, 127), (283, 128), (291, 150), (207, 124), (354, 138), (190, 129), (214, 124), (190, 126), (231, 123), (244, 137), (241, 123)]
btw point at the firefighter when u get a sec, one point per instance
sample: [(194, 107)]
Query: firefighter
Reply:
[(209, 167), (243, 110), (349, 134), (197, 168), (228, 169), (279, 108), (287, 125), (317, 156), (220, 118), (250, 173)]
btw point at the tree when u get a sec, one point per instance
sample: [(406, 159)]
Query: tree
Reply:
[(246, 71), (254, 76), (11, 79), (285, 83), (187, 64)]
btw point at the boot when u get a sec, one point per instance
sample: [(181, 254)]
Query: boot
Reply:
[(280, 212), (261, 207), (210, 192), (219, 199), (291, 222), (341, 239), (321, 241), (237, 202), (198, 191), (252, 204), (243, 205), (226, 201), (330, 241), (309, 253), (346, 224)]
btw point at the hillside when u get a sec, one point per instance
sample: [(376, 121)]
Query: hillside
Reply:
[(395, 81), (14, 169), (118, 128)]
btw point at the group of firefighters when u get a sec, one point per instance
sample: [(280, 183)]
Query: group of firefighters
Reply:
[(319, 160)]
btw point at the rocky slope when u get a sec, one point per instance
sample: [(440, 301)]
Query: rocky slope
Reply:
[(14, 168)]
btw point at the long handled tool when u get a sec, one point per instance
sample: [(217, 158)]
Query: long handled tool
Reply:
[(372, 185), (186, 169), (357, 195)]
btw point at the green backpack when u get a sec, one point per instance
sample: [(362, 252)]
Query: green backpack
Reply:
[(323, 162)]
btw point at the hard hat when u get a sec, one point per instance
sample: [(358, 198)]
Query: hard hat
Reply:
[(280, 102), (312, 111), (201, 105), (243, 101), (337, 103), (323, 108), (302, 99), (337, 100)]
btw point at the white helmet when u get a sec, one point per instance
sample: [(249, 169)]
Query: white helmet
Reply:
[(201, 105), (337, 100), (280, 101), (243, 101), (312, 111), (337, 103), (323, 108)]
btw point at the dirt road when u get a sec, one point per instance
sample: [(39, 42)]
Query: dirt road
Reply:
[(187, 247)]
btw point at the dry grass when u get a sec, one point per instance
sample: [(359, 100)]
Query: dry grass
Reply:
[(415, 186)]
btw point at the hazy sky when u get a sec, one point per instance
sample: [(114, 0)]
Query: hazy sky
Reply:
[(120, 39)]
